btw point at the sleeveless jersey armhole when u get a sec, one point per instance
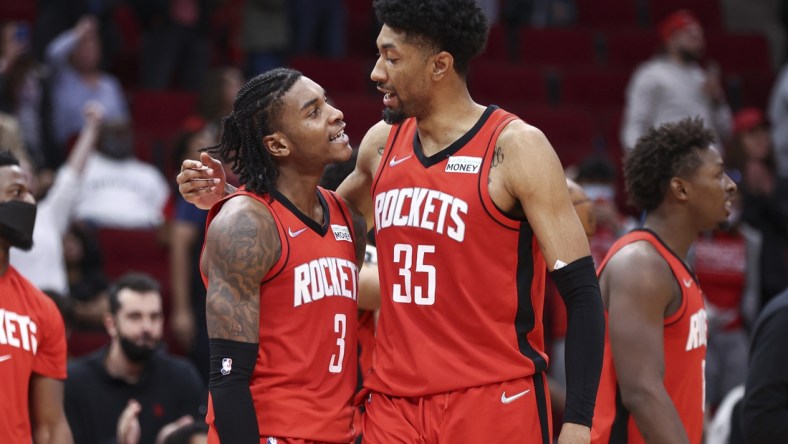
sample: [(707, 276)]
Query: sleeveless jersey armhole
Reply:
[(500, 119)]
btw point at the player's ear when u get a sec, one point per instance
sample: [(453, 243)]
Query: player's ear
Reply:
[(678, 187), (276, 144), (442, 63)]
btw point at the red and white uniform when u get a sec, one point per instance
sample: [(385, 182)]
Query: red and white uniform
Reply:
[(32, 340), (462, 284), (305, 376), (684, 346)]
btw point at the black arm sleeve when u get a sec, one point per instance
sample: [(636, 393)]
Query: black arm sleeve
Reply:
[(585, 337), (232, 364), (765, 407)]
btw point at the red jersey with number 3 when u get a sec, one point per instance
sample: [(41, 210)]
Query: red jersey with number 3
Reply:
[(462, 284), (684, 344), (306, 371)]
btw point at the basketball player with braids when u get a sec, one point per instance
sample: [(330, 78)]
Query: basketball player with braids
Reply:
[(652, 386), (280, 264), (470, 208)]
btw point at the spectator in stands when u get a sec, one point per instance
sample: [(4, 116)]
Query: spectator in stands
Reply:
[(75, 58), (265, 35), (45, 264), (55, 16), (674, 85), (119, 190), (187, 317), (132, 389), (721, 263), (319, 27), (597, 176), (194, 433), (175, 37), (765, 405), (218, 94), (778, 114), (764, 197), (34, 341), (87, 283), (21, 88)]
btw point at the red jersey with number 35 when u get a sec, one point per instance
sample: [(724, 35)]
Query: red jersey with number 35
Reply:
[(462, 284), (306, 371), (684, 344)]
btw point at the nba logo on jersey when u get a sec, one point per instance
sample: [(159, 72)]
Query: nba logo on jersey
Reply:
[(227, 366), (341, 233), (463, 164), (271, 440)]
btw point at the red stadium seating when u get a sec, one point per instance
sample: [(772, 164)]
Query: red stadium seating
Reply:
[(594, 87), (625, 49), (499, 82), (740, 53), (607, 13), (337, 76), (565, 47)]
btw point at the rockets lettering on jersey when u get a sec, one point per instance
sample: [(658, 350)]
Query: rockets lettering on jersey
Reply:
[(697, 331), (18, 331), (324, 277), (421, 208)]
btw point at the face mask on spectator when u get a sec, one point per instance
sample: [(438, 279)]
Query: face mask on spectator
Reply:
[(17, 219), (116, 141)]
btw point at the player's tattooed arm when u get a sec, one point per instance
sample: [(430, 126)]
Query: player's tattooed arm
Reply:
[(242, 244), (360, 234), (497, 157)]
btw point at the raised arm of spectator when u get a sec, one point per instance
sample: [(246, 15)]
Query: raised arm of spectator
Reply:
[(58, 51)]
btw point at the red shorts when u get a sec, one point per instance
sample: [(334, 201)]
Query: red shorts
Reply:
[(506, 412), (213, 437)]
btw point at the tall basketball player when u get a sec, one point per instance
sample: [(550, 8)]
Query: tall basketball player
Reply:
[(652, 387), (280, 264), (470, 209)]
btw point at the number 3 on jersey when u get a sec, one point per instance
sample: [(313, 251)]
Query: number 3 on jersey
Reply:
[(340, 327), (403, 255)]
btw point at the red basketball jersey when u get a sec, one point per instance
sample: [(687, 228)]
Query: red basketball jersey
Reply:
[(32, 340), (684, 345), (462, 285), (305, 376)]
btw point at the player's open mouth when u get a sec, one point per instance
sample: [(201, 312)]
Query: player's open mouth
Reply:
[(337, 136), (389, 98)]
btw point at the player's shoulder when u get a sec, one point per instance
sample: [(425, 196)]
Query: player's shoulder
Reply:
[(30, 292), (519, 133), (376, 135), (638, 264)]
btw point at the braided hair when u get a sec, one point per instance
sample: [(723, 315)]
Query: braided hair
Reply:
[(256, 113)]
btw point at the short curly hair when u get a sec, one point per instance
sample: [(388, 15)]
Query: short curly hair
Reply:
[(458, 27), (671, 150)]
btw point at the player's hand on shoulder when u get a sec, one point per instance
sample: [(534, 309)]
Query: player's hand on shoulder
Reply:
[(201, 182), (574, 434)]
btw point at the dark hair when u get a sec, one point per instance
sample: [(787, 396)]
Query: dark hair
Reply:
[(7, 158), (456, 26), (184, 434), (256, 113), (665, 152), (596, 169), (138, 282)]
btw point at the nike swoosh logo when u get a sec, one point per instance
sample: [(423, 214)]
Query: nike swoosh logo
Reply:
[(513, 398), (394, 162), (295, 233), (5, 358), (688, 283)]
